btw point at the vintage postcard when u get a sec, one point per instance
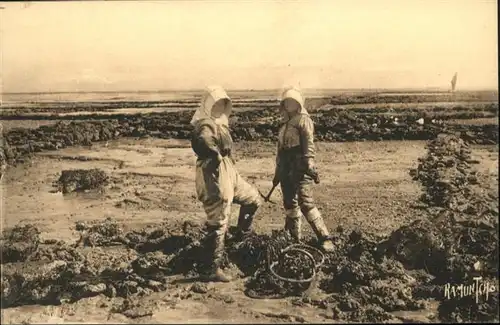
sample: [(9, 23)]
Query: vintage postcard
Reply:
[(249, 161)]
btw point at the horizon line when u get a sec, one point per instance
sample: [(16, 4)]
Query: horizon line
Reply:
[(441, 89)]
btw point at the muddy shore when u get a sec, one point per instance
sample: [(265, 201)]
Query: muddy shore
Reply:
[(368, 278), (332, 124), (402, 252)]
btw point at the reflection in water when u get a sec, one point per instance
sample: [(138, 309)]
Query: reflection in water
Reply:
[(150, 167)]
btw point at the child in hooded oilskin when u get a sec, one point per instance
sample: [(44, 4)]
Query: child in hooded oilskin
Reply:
[(218, 183), (295, 168)]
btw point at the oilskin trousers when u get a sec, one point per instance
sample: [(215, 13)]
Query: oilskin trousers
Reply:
[(217, 187)]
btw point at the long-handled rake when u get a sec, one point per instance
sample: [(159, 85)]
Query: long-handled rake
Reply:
[(267, 198)]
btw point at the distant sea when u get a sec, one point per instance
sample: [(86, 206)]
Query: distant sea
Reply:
[(14, 99)]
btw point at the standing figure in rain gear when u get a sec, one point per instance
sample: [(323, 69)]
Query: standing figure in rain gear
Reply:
[(218, 183), (295, 168)]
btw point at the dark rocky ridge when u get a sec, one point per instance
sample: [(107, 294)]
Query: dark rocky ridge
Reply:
[(332, 124)]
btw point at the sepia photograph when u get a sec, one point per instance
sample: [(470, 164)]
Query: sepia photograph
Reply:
[(249, 162)]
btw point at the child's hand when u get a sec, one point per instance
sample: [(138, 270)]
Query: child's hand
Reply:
[(311, 170), (314, 175)]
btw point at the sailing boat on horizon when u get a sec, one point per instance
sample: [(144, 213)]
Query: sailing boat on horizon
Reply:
[(454, 82)]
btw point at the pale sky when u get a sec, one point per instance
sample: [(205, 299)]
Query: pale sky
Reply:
[(97, 45)]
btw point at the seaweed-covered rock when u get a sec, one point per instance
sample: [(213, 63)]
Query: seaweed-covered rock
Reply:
[(77, 180), (332, 124), (104, 233), (19, 243)]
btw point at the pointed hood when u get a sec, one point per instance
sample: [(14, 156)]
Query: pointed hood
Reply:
[(296, 94), (210, 97)]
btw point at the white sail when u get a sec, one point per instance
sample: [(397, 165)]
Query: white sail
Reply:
[(454, 82)]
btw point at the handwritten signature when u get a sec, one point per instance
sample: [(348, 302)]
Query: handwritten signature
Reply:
[(477, 288)]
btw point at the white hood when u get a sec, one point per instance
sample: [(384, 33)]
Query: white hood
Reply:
[(296, 94), (210, 97)]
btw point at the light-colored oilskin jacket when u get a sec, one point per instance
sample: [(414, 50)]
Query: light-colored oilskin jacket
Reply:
[(295, 138), (211, 135)]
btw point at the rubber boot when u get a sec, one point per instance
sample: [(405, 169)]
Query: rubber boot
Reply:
[(293, 224), (216, 245), (317, 223), (245, 220)]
